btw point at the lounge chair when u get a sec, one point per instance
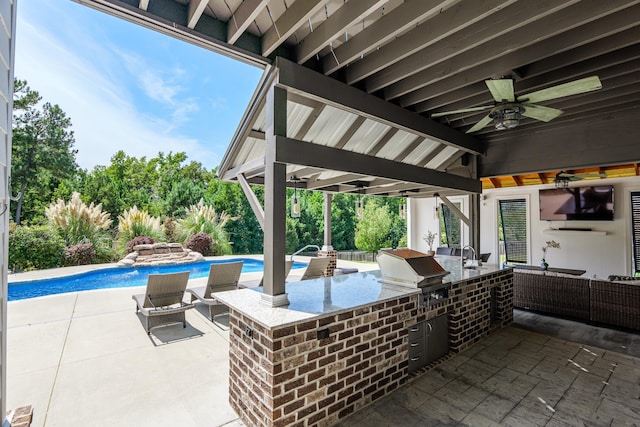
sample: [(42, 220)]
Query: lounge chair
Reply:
[(316, 268), (162, 301), (222, 277), (252, 284)]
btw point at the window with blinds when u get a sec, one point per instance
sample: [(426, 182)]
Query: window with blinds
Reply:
[(451, 225), (513, 226), (635, 226)]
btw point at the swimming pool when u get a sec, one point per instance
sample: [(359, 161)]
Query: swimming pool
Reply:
[(119, 277)]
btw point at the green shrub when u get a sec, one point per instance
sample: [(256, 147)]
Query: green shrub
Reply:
[(200, 242), (80, 254), (33, 248)]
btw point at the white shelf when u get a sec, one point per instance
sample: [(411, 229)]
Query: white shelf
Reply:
[(575, 232)]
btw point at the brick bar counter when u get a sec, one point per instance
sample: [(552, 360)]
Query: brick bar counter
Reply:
[(343, 341)]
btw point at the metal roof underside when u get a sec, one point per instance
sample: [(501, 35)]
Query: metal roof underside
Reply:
[(426, 56)]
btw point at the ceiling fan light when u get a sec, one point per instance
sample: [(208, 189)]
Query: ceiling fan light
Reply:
[(561, 182), (507, 116)]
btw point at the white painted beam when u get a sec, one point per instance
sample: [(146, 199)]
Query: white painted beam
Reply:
[(448, 22), (144, 4), (244, 15), (385, 29), (295, 16), (479, 44), (350, 13), (321, 183), (196, 9)]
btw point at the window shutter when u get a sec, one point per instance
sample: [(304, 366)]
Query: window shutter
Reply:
[(635, 225), (513, 221)]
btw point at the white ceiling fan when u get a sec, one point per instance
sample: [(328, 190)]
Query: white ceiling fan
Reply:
[(509, 108)]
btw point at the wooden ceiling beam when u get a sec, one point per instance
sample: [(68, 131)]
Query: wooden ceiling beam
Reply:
[(300, 79), (348, 14), (195, 11), (286, 25), (442, 83), (610, 77), (346, 137), (308, 154), (409, 149), (474, 45), (543, 179), (320, 183), (495, 182), (311, 119), (244, 15), (440, 26), (382, 142), (605, 65), (389, 26)]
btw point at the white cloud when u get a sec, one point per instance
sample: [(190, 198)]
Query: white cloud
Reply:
[(87, 81)]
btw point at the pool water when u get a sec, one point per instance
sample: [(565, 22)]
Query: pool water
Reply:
[(119, 277)]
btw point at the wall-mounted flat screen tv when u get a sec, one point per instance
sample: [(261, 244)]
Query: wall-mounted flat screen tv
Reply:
[(580, 203)]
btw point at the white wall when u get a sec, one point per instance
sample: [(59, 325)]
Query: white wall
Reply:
[(600, 255)]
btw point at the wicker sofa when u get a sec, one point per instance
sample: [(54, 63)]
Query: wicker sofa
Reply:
[(615, 303)]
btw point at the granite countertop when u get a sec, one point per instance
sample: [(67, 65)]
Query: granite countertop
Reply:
[(457, 273), (311, 298)]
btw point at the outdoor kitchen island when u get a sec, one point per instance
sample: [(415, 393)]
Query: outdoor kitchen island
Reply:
[(347, 340)]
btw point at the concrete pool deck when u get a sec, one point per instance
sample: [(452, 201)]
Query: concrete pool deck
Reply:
[(84, 358)]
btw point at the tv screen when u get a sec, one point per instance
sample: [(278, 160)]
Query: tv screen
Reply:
[(580, 203)]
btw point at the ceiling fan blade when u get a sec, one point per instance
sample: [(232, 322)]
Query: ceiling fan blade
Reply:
[(575, 87), (539, 112), (579, 176), (582, 175), (482, 123), (464, 110), (502, 90)]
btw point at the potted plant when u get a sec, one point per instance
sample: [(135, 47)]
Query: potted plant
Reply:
[(549, 244), (430, 237)]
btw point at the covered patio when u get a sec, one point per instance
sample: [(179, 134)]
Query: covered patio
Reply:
[(350, 98)]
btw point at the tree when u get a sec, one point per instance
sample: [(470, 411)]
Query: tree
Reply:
[(43, 154), (372, 232)]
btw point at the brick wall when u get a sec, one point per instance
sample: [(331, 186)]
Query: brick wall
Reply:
[(469, 308), (288, 376), (291, 375)]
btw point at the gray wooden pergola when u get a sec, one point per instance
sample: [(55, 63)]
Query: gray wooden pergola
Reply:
[(336, 138)]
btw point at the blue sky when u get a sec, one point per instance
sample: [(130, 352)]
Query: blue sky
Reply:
[(129, 88)]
